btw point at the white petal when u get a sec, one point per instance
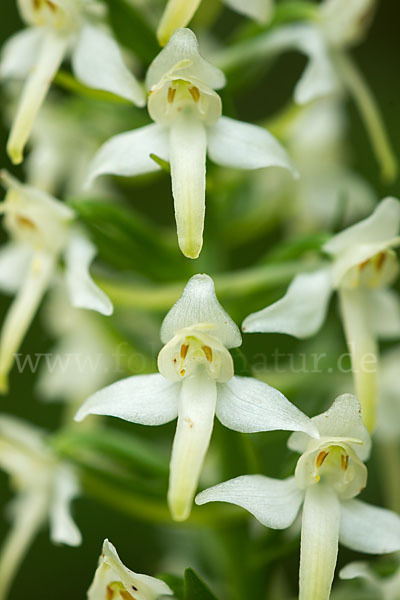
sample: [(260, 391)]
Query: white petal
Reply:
[(261, 10), (384, 313), (144, 399), (342, 420), (19, 53), (273, 502), (14, 264), (193, 433), (363, 349), (62, 527), (98, 63), (29, 512), (22, 311), (319, 542), (359, 569), (199, 304), (128, 153), (182, 52), (82, 290), (345, 22), (51, 54), (366, 528), (177, 14), (300, 312), (188, 173), (247, 405), (382, 225), (21, 435), (241, 145), (319, 78), (112, 570)]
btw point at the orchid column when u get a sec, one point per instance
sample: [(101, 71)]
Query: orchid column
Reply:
[(196, 382)]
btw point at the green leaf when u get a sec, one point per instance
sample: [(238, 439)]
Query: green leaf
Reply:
[(126, 240), (68, 82), (195, 588), (175, 583), (132, 29), (293, 249), (164, 164), (127, 451)]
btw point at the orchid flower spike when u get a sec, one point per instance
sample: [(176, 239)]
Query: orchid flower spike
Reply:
[(114, 581), (42, 231), (315, 140), (45, 488), (178, 13), (188, 123), (56, 28), (382, 588), (364, 264), (196, 382), (329, 475)]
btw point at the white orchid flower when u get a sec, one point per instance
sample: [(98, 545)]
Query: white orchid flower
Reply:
[(315, 141), (383, 588), (81, 361), (45, 488), (188, 123), (325, 40), (55, 29), (41, 231), (178, 13), (114, 581), (196, 382), (55, 160), (363, 265), (329, 474)]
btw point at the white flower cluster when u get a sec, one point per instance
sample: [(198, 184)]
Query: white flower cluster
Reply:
[(196, 380)]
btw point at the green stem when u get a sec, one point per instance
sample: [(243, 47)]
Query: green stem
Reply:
[(389, 455), (151, 510), (235, 284), (370, 113)]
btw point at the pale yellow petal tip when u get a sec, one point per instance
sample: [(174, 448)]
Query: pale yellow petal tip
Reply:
[(3, 383), (369, 421), (163, 35), (15, 154), (191, 250), (180, 509), (390, 171)]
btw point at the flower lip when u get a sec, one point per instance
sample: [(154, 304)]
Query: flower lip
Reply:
[(193, 348)]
